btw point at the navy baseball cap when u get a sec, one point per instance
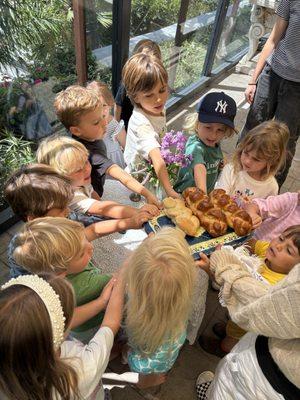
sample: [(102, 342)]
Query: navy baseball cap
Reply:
[(217, 107)]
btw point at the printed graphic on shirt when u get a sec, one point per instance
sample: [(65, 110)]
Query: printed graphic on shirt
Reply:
[(243, 196)]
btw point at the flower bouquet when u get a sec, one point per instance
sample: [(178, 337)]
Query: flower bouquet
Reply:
[(173, 153)]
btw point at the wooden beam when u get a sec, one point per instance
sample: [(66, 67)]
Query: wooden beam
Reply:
[(80, 41)]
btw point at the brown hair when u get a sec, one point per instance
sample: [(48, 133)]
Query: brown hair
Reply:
[(141, 73), (293, 232), (72, 103), (102, 90), (35, 189), (32, 249), (269, 141), (31, 369), (147, 46)]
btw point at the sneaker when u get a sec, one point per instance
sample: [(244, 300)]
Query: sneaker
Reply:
[(203, 383), (219, 329), (135, 197)]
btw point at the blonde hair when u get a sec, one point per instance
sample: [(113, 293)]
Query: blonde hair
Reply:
[(141, 73), (160, 280), (102, 90), (147, 46), (72, 103), (27, 339), (35, 189), (191, 121), (48, 244), (63, 153), (269, 141)]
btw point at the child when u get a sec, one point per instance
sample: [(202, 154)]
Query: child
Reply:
[(160, 280), (81, 112), (68, 255), (146, 82), (265, 363), (70, 157), (256, 161), (123, 107), (214, 122), (115, 135), (55, 368), (273, 215), (277, 257)]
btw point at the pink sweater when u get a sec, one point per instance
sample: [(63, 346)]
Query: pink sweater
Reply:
[(278, 213)]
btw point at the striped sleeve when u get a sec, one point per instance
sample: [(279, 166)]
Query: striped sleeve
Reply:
[(283, 10)]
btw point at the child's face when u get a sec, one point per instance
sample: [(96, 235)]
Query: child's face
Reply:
[(211, 133), (92, 125), (153, 102), (282, 255), (252, 164), (82, 176), (79, 262), (105, 110)]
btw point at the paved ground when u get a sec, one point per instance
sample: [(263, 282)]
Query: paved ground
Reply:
[(112, 250)]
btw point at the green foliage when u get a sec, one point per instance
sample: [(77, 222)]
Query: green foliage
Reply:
[(14, 152)]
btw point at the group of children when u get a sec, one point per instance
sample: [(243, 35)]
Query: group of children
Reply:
[(57, 294)]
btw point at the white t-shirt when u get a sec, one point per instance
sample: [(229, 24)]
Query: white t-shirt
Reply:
[(143, 135), (82, 199), (90, 362), (241, 186)]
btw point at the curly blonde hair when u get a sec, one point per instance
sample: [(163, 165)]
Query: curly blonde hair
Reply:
[(72, 103), (160, 281), (63, 153), (269, 141), (48, 244)]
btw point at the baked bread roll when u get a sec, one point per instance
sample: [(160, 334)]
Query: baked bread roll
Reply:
[(242, 223), (214, 221), (181, 216)]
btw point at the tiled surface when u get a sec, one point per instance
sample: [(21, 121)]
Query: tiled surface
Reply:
[(112, 250)]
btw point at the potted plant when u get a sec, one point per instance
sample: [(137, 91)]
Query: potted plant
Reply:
[(14, 152)]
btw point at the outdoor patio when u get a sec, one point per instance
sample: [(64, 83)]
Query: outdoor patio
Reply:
[(112, 250)]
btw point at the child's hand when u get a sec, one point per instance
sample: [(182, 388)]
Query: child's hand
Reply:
[(256, 220), (106, 292), (203, 263), (151, 209), (151, 199), (172, 193), (138, 220)]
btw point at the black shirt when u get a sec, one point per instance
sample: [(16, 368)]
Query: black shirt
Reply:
[(123, 101), (99, 162)]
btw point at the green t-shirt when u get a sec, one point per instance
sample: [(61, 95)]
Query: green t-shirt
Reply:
[(88, 285), (202, 154)]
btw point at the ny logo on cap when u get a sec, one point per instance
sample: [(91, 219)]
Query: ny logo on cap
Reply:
[(221, 106)]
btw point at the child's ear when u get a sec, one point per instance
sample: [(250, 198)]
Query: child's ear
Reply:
[(75, 131)]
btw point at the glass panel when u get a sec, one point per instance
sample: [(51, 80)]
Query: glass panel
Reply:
[(234, 37), (98, 15), (37, 59), (184, 53)]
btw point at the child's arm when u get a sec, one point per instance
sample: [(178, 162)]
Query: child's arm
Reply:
[(103, 228), (131, 183), (89, 310), (114, 309), (162, 173), (111, 209), (200, 176)]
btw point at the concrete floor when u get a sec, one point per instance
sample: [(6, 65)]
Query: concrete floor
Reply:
[(109, 252)]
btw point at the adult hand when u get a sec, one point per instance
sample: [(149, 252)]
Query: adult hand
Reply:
[(249, 93)]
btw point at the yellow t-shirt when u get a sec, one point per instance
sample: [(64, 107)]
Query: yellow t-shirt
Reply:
[(272, 277)]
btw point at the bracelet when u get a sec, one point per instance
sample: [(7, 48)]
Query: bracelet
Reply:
[(252, 84)]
